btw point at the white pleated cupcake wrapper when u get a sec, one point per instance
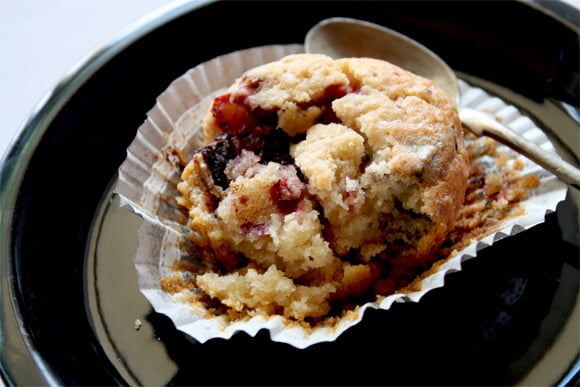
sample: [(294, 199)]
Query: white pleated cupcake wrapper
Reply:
[(149, 175)]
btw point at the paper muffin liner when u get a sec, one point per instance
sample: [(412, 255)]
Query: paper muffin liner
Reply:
[(147, 186)]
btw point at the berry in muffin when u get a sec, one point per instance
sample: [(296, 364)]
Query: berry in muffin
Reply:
[(322, 184)]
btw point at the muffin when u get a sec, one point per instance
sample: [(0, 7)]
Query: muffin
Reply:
[(322, 184), (505, 195)]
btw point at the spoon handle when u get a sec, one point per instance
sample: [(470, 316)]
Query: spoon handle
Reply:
[(481, 123)]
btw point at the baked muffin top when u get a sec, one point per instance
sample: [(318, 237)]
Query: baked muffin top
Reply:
[(340, 176)]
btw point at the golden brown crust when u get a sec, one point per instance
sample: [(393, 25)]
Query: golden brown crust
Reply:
[(374, 177)]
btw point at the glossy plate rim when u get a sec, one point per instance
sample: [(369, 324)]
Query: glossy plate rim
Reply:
[(17, 353)]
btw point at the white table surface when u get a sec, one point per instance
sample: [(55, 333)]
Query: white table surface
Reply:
[(41, 40)]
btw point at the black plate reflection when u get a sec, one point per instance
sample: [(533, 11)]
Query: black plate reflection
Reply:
[(472, 331)]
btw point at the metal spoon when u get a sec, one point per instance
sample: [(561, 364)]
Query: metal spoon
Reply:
[(345, 37)]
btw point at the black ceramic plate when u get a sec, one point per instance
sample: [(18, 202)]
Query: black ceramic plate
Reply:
[(71, 312)]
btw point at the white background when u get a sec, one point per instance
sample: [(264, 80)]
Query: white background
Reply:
[(41, 40)]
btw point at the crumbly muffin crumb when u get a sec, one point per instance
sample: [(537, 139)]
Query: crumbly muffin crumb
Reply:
[(323, 184)]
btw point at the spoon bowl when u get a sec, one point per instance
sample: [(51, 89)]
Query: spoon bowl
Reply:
[(341, 37)]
